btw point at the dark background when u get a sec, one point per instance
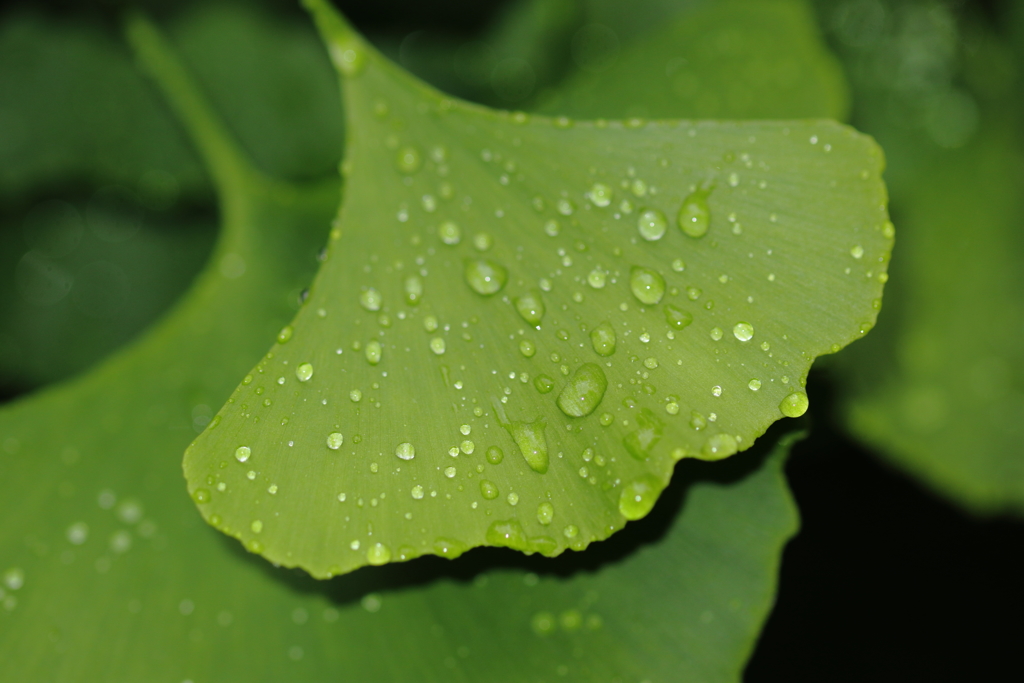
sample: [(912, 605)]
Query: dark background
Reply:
[(885, 581)]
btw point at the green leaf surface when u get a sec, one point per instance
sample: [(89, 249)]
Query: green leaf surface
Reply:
[(938, 389), (108, 573), (740, 59), (523, 323)]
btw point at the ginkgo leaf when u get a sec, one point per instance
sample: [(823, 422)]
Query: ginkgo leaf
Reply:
[(720, 59), (523, 323), (108, 574)]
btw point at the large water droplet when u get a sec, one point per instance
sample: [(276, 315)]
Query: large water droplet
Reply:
[(531, 307), (485, 276), (584, 392), (304, 372), (545, 513), (647, 285), (508, 534), (638, 497), (694, 215), (719, 446), (795, 404), (488, 490), (652, 225), (602, 338), (533, 445), (371, 299), (677, 317), (405, 451), (648, 433), (743, 331)]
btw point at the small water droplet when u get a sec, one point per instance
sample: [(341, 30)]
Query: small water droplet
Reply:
[(284, 335), (600, 195), (678, 265), (857, 252), (485, 276), (652, 225), (603, 340), (719, 446), (373, 352), (430, 323), (417, 492), (413, 290), (304, 372), (482, 241), (495, 455), (716, 391), (355, 395), (795, 404), (201, 496), (754, 384), (378, 554), (533, 445), (743, 331), (371, 299), (552, 228), (256, 526), (409, 160), (527, 348), (571, 531), (597, 278), (565, 207), (544, 384), (647, 285), (335, 440), (449, 233), (677, 317), (405, 451), (694, 215), (512, 499), (717, 333), (242, 453), (488, 490), (438, 345), (531, 307)]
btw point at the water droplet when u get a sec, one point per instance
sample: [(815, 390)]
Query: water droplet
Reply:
[(647, 285), (284, 335), (78, 533), (488, 490), (533, 445), (672, 408), (347, 59), (552, 228), (754, 384), (597, 278), (531, 307), (600, 195), (719, 446), (201, 496), (678, 265), (795, 404), (405, 451), (355, 395), (694, 215), (304, 372), (446, 547), (716, 391), (417, 492), (467, 447), (508, 534), (638, 497), (256, 526), (335, 440), (512, 499), (242, 453), (565, 207), (544, 384), (14, 578), (652, 225), (545, 513), (584, 392), (648, 433), (527, 348), (430, 323), (743, 331), (602, 338), (677, 317), (495, 455), (449, 233), (651, 363), (373, 352), (857, 252), (484, 276), (409, 160), (717, 333), (413, 290), (378, 554), (571, 531), (437, 345), (371, 299)]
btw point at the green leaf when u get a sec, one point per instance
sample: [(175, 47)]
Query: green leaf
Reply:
[(108, 573), (524, 313), (938, 388), (739, 59)]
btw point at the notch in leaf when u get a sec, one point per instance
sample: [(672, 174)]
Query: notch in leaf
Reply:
[(492, 354)]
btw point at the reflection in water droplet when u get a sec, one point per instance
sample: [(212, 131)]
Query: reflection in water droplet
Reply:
[(584, 392), (694, 215), (531, 307), (652, 225), (795, 404), (647, 285), (638, 497), (602, 338), (485, 276), (304, 372)]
